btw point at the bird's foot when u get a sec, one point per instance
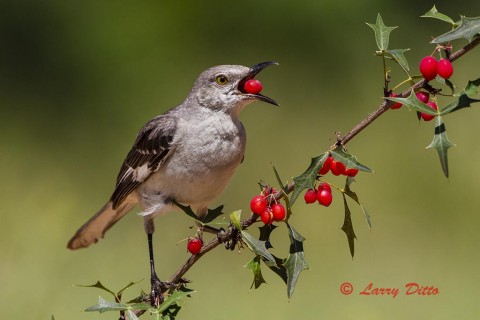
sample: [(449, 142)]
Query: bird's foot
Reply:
[(232, 243), (160, 288)]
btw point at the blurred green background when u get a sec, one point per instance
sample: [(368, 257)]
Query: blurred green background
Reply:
[(79, 78)]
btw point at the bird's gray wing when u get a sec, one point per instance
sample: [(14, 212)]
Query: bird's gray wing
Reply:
[(150, 150)]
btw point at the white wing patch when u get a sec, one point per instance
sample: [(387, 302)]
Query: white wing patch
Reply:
[(142, 172)]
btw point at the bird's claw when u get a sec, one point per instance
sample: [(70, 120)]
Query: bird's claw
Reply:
[(232, 243), (159, 288)]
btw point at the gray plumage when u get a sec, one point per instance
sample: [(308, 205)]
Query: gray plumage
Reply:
[(188, 154)]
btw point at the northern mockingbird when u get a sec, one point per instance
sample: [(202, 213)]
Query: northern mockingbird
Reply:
[(187, 155)]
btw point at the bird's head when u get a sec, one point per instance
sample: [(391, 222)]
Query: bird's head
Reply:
[(223, 87)]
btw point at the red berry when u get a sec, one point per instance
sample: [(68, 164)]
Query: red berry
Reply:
[(258, 204), (445, 68), (396, 105), (278, 212), (428, 68), (326, 166), (324, 197), (352, 172), (194, 246), (253, 86), (310, 196), (267, 216), (337, 168), (324, 186), (423, 96), (428, 117)]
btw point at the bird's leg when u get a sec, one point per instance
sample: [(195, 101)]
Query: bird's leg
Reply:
[(158, 288)]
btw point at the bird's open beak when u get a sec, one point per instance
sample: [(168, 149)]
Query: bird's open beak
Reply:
[(254, 70)]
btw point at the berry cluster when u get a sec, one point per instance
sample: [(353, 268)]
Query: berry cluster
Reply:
[(324, 192), (337, 168), (430, 68), (323, 195), (267, 212), (194, 245)]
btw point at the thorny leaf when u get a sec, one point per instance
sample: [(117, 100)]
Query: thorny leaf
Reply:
[(104, 305), (433, 13), (348, 227), (468, 28), (100, 286), (295, 262), (441, 144), (280, 269), (350, 161), (265, 232), (211, 215), (354, 197), (254, 266), (463, 99), (382, 33), (461, 102), (258, 247), (398, 56), (413, 103), (307, 179), (472, 87)]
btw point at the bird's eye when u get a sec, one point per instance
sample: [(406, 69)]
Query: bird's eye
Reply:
[(221, 80)]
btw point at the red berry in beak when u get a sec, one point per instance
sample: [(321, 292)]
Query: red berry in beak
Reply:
[(253, 86)]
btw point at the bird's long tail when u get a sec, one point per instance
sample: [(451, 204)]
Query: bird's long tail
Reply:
[(95, 228)]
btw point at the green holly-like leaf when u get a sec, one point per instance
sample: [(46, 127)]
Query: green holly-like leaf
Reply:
[(354, 196), (307, 179), (433, 13), (461, 102), (442, 144), (211, 215), (398, 56), (265, 232), (254, 266), (279, 180), (468, 28), (130, 315), (235, 219), (413, 103), (348, 227), (472, 87), (258, 247), (187, 210), (382, 33), (100, 286), (348, 160), (104, 305), (295, 262), (279, 268), (173, 299), (447, 83)]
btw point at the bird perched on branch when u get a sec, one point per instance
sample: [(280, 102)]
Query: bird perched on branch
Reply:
[(185, 155)]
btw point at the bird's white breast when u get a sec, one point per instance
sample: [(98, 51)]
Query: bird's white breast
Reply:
[(205, 153)]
